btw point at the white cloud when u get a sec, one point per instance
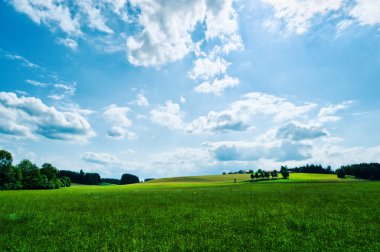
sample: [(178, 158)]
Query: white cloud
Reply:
[(366, 12), (117, 117), (207, 68), (101, 158), (342, 26), (298, 14), (182, 99), (94, 16), (21, 59), (256, 150), (142, 101), (70, 43), (29, 117), (50, 13), (37, 83), (167, 27), (217, 86), (239, 115), (179, 162), (296, 132), (328, 114), (169, 115)]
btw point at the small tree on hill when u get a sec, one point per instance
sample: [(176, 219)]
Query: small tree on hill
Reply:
[(252, 176), (340, 173), (257, 175), (129, 179), (284, 172)]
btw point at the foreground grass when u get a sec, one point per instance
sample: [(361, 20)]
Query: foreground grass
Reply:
[(234, 217)]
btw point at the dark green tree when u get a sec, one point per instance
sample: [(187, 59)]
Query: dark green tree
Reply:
[(274, 174), (49, 171), (252, 176), (5, 168), (284, 172), (129, 179), (31, 176), (340, 173)]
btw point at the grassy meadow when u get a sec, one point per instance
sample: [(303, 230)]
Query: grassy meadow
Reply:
[(201, 213)]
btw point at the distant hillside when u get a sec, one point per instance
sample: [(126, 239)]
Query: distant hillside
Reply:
[(229, 178)]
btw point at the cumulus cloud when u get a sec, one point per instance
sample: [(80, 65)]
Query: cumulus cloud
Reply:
[(118, 118), (253, 151), (94, 17), (101, 158), (297, 15), (239, 115), (29, 117), (328, 114), (217, 86), (167, 27), (142, 101), (50, 13), (70, 43), (179, 161), (169, 115), (297, 132), (366, 12), (207, 68)]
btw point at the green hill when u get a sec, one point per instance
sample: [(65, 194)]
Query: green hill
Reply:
[(229, 178)]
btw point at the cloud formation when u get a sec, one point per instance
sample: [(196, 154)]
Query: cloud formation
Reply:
[(296, 132), (297, 15), (167, 27), (29, 117), (169, 115), (117, 117), (239, 115)]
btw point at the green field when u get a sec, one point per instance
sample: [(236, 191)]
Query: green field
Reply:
[(204, 213)]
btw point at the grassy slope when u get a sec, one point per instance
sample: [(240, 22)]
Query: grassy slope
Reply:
[(241, 216), (229, 178)]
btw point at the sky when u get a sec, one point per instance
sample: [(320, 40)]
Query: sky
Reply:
[(165, 88)]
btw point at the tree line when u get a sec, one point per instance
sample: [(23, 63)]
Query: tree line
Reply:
[(312, 169), (27, 175), (369, 171)]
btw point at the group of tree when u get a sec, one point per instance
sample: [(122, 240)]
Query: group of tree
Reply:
[(94, 178), (88, 178), (261, 174), (312, 169), (27, 175), (369, 171)]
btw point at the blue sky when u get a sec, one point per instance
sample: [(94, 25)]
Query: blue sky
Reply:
[(167, 88)]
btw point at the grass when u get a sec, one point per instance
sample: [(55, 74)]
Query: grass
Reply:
[(229, 178), (193, 215)]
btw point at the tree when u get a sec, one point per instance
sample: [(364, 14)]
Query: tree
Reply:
[(49, 171), (284, 172), (257, 175), (31, 176), (81, 177), (252, 176), (5, 167), (340, 173), (274, 174), (129, 179)]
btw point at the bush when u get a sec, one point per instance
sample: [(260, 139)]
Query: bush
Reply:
[(340, 173)]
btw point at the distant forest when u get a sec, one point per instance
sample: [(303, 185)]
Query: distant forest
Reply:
[(27, 175)]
